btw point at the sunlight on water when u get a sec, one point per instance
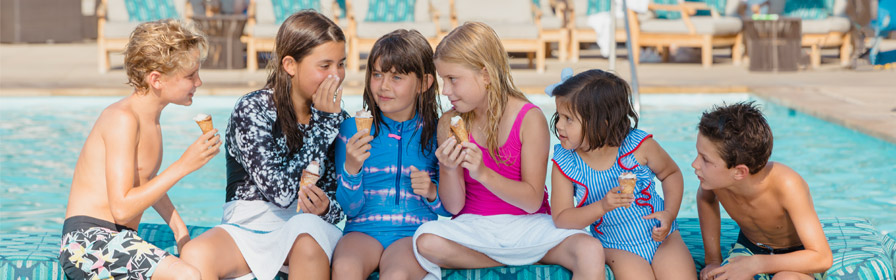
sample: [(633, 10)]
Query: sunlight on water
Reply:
[(38, 151)]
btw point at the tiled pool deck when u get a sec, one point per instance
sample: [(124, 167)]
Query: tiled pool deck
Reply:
[(862, 100)]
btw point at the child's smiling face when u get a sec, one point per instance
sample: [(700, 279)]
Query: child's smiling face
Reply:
[(395, 93), (464, 87), (569, 126)]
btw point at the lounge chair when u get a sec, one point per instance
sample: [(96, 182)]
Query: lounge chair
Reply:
[(824, 25), (116, 20), (265, 17), (704, 32), (553, 26), (580, 32), (368, 20), (518, 24)]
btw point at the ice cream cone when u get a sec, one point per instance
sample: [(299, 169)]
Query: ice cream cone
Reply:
[(460, 131), (309, 178), (363, 120), (627, 181), (205, 122)]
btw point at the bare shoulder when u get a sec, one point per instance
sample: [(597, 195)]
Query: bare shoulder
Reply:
[(118, 118), (787, 183)]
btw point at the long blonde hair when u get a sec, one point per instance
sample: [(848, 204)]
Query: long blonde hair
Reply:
[(477, 46)]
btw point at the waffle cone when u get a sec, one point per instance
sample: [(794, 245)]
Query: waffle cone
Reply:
[(460, 132), (206, 124), (308, 179), (364, 123)]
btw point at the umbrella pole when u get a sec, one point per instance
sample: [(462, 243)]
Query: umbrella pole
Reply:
[(636, 95)]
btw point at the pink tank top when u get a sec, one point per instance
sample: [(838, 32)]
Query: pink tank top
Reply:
[(479, 199)]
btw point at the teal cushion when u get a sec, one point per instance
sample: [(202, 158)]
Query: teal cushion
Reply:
[(598, 6), (285, 8), (858, 248), (860, 252), (150, 10), (390, 10), (30, 256), (809, 9), (717, 5)]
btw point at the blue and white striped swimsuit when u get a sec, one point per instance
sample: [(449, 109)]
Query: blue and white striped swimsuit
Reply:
[(622, 228)]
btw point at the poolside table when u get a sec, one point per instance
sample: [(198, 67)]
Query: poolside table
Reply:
[(225, 51), (773, 45)]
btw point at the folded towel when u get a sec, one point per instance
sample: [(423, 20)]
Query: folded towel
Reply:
[(600, 22), (265, 233), (507, 239)]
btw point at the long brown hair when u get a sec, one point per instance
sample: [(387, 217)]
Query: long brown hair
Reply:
[(407, 52), (477, 46), (298, 35), (602, 102)]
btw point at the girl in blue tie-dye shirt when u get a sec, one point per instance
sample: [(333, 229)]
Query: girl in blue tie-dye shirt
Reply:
[(388, 176)]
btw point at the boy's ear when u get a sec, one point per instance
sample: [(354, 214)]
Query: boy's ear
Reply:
[(154, 80), (289, 65), (741, 171)]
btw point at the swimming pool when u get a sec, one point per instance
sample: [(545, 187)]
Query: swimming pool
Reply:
[(850, 173)]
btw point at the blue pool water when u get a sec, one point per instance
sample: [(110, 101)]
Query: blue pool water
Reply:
[(850, 173)]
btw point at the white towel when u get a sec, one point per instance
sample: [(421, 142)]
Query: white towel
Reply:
[(601, 23), (508, 239), (265, 233)]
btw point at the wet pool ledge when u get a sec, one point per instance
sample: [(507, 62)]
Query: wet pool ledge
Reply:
[(860, 251)]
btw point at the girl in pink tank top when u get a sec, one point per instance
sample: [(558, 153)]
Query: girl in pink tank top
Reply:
[(495, 191)]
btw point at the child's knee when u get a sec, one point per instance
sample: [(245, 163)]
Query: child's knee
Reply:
[(306, 248), (429, 245), (197, 252)]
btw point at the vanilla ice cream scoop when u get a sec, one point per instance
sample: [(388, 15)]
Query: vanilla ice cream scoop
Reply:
[(204, 121)]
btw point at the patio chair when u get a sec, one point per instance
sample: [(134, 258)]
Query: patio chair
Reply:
[(518, 24), (265, 17), (553, 26), (704, 32), (368, 20), (824, 25), (581, 32), (116, 19)]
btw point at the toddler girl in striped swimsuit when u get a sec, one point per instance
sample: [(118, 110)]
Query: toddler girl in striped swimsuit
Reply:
[(599, 141)]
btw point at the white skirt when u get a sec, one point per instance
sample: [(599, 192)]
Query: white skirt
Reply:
[(507, 239), (265, 233)]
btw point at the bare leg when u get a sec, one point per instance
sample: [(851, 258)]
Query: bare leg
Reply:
[(399, 262), (215, 255), (357, 255), (449, 254), (580, 253), (173, 268), (626, 265), (673, 260), (790, 275), (307, 260)]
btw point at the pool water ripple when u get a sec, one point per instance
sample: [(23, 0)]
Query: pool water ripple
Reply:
[(849, 173)]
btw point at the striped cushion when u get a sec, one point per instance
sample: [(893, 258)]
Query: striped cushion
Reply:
[(809, 9), (285, 8), (30, 256), (150, 10), (860, 252), (390, 10)]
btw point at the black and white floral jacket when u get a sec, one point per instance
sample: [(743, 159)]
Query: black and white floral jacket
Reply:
[(259, 164)]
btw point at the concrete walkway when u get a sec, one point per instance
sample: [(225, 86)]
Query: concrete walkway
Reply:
[(861, 100)]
